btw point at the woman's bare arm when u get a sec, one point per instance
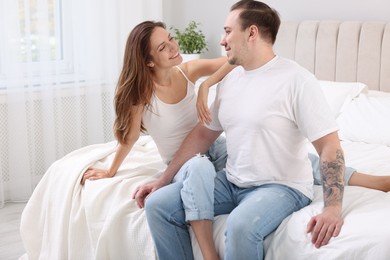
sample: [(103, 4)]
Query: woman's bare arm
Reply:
[(122, 151), (201, 104), (196, 69)]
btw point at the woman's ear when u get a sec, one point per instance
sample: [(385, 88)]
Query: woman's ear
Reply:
[(150, 64)]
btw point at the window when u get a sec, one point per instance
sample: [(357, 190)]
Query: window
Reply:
[(35, 40), (30, 31)]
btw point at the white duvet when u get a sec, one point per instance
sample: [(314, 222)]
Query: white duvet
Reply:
[(65, 220)]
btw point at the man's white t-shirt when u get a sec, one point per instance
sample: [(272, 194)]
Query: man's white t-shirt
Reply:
[(267, 115)]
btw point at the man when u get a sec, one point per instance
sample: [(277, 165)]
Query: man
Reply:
[(267, 107)]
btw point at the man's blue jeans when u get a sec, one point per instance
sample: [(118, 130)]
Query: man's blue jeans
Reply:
[(196, 194), (254, 212)]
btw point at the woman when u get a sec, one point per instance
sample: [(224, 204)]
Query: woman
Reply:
[(155, 94)]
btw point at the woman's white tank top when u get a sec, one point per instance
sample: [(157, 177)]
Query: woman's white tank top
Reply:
[(169, 124)]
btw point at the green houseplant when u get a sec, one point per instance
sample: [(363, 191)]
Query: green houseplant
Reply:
[(191, 40)]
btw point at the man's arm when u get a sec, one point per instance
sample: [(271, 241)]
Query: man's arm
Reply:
[(198, 141), (332, 166)]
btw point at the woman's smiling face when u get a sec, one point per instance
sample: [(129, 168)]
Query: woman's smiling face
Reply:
[(164, 49)]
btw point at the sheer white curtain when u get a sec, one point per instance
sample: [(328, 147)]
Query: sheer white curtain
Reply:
[(59, 63)]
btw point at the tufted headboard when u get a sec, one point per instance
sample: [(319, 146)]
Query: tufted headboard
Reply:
[(339, 51)]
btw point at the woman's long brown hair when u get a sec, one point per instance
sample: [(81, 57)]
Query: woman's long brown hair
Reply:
[(135, 84)]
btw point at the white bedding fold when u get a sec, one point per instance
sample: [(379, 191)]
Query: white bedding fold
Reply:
[(64, 220)]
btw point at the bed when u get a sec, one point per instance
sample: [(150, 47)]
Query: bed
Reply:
[(64, 220)]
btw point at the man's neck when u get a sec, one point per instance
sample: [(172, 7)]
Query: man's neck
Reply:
[(259, 58)]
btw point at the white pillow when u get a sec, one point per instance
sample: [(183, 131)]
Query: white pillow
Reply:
[(366, 119), (339, 94), (377, 93)]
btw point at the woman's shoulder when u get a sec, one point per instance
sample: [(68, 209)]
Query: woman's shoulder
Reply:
[(182, 71)]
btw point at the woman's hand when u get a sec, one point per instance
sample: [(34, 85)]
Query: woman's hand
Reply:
[(144, 191), (201, 105), (93, 174)]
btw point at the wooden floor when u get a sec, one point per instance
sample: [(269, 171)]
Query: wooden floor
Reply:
[(11, 247)]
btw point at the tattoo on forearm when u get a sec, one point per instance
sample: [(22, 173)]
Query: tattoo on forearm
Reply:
[(333, 179)]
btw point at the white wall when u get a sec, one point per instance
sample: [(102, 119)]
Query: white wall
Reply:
[(146, 10), (211, 13)]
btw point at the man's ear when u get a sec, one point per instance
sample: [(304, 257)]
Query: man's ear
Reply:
[(253, 31)]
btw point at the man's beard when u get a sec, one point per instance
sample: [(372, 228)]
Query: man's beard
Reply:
[(232, 61)]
